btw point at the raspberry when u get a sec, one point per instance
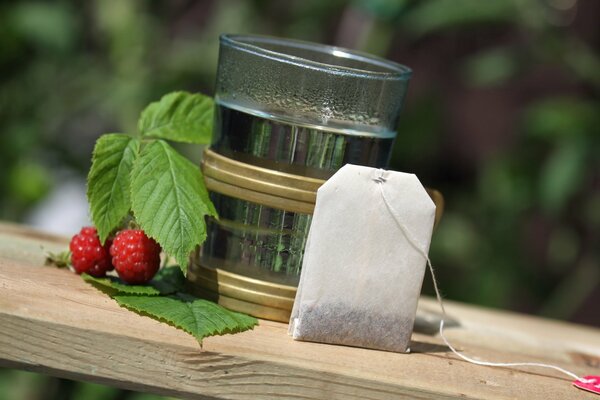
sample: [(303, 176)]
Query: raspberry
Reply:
[(136, 257), (87, 253)]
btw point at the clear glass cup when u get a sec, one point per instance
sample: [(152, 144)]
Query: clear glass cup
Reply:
[(290, 107), (305, 108)]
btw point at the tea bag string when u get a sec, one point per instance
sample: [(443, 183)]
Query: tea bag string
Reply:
[(380, 180)]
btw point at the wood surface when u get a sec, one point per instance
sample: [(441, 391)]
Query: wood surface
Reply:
[(52, 322)]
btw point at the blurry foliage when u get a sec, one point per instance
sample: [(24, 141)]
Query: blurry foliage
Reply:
[(490, 67), (522, 222), (436, 16)]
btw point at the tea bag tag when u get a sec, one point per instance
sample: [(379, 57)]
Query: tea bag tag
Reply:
[(361, 276), (590, 383)]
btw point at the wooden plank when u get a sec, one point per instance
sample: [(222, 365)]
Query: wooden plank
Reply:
[(53, 322)]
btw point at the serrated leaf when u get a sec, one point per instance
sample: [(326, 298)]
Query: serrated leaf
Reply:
[(112, 285), (169, 200), (200, 318), (179, 116), (167, 280), (108, 187)]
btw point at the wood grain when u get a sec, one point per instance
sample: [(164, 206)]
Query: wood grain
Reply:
[(53, 322)]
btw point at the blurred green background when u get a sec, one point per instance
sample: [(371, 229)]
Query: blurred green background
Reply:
[(502, 116)]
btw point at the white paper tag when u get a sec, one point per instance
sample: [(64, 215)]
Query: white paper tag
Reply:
[(361, 275)]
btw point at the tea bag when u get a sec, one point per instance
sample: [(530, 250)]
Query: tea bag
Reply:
[(363, 268)]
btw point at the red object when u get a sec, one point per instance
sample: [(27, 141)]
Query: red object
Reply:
[(136, 257), (88, 255), (590, 383)]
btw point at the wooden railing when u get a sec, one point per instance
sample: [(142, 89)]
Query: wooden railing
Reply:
[(52, 322)]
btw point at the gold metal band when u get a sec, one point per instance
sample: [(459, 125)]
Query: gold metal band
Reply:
[(272, 188), (256, 310), (264, 180), (239, 192), (259, 298)]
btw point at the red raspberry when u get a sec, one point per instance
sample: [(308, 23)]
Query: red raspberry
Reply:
[(136, 257), (88, 255)]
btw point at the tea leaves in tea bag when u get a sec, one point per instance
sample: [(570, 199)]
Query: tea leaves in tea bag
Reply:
[(362, 275)]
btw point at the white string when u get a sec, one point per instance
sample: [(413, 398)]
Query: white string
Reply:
[(380, 181)]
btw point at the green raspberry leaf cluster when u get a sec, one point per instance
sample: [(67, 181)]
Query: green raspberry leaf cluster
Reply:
[(143, 176)]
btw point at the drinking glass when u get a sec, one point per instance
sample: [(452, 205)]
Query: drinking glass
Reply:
[(288, 114)]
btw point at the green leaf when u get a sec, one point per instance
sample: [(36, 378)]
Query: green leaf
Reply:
[(109, 180), (59, 260), (198, 317), (179, 116), (168, 280), (163, 300), (169, 200), (113, 285)]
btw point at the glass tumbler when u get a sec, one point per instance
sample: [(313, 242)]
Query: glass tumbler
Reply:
[(288, 114)]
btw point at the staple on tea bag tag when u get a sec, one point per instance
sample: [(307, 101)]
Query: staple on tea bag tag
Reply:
[(361, 275)]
